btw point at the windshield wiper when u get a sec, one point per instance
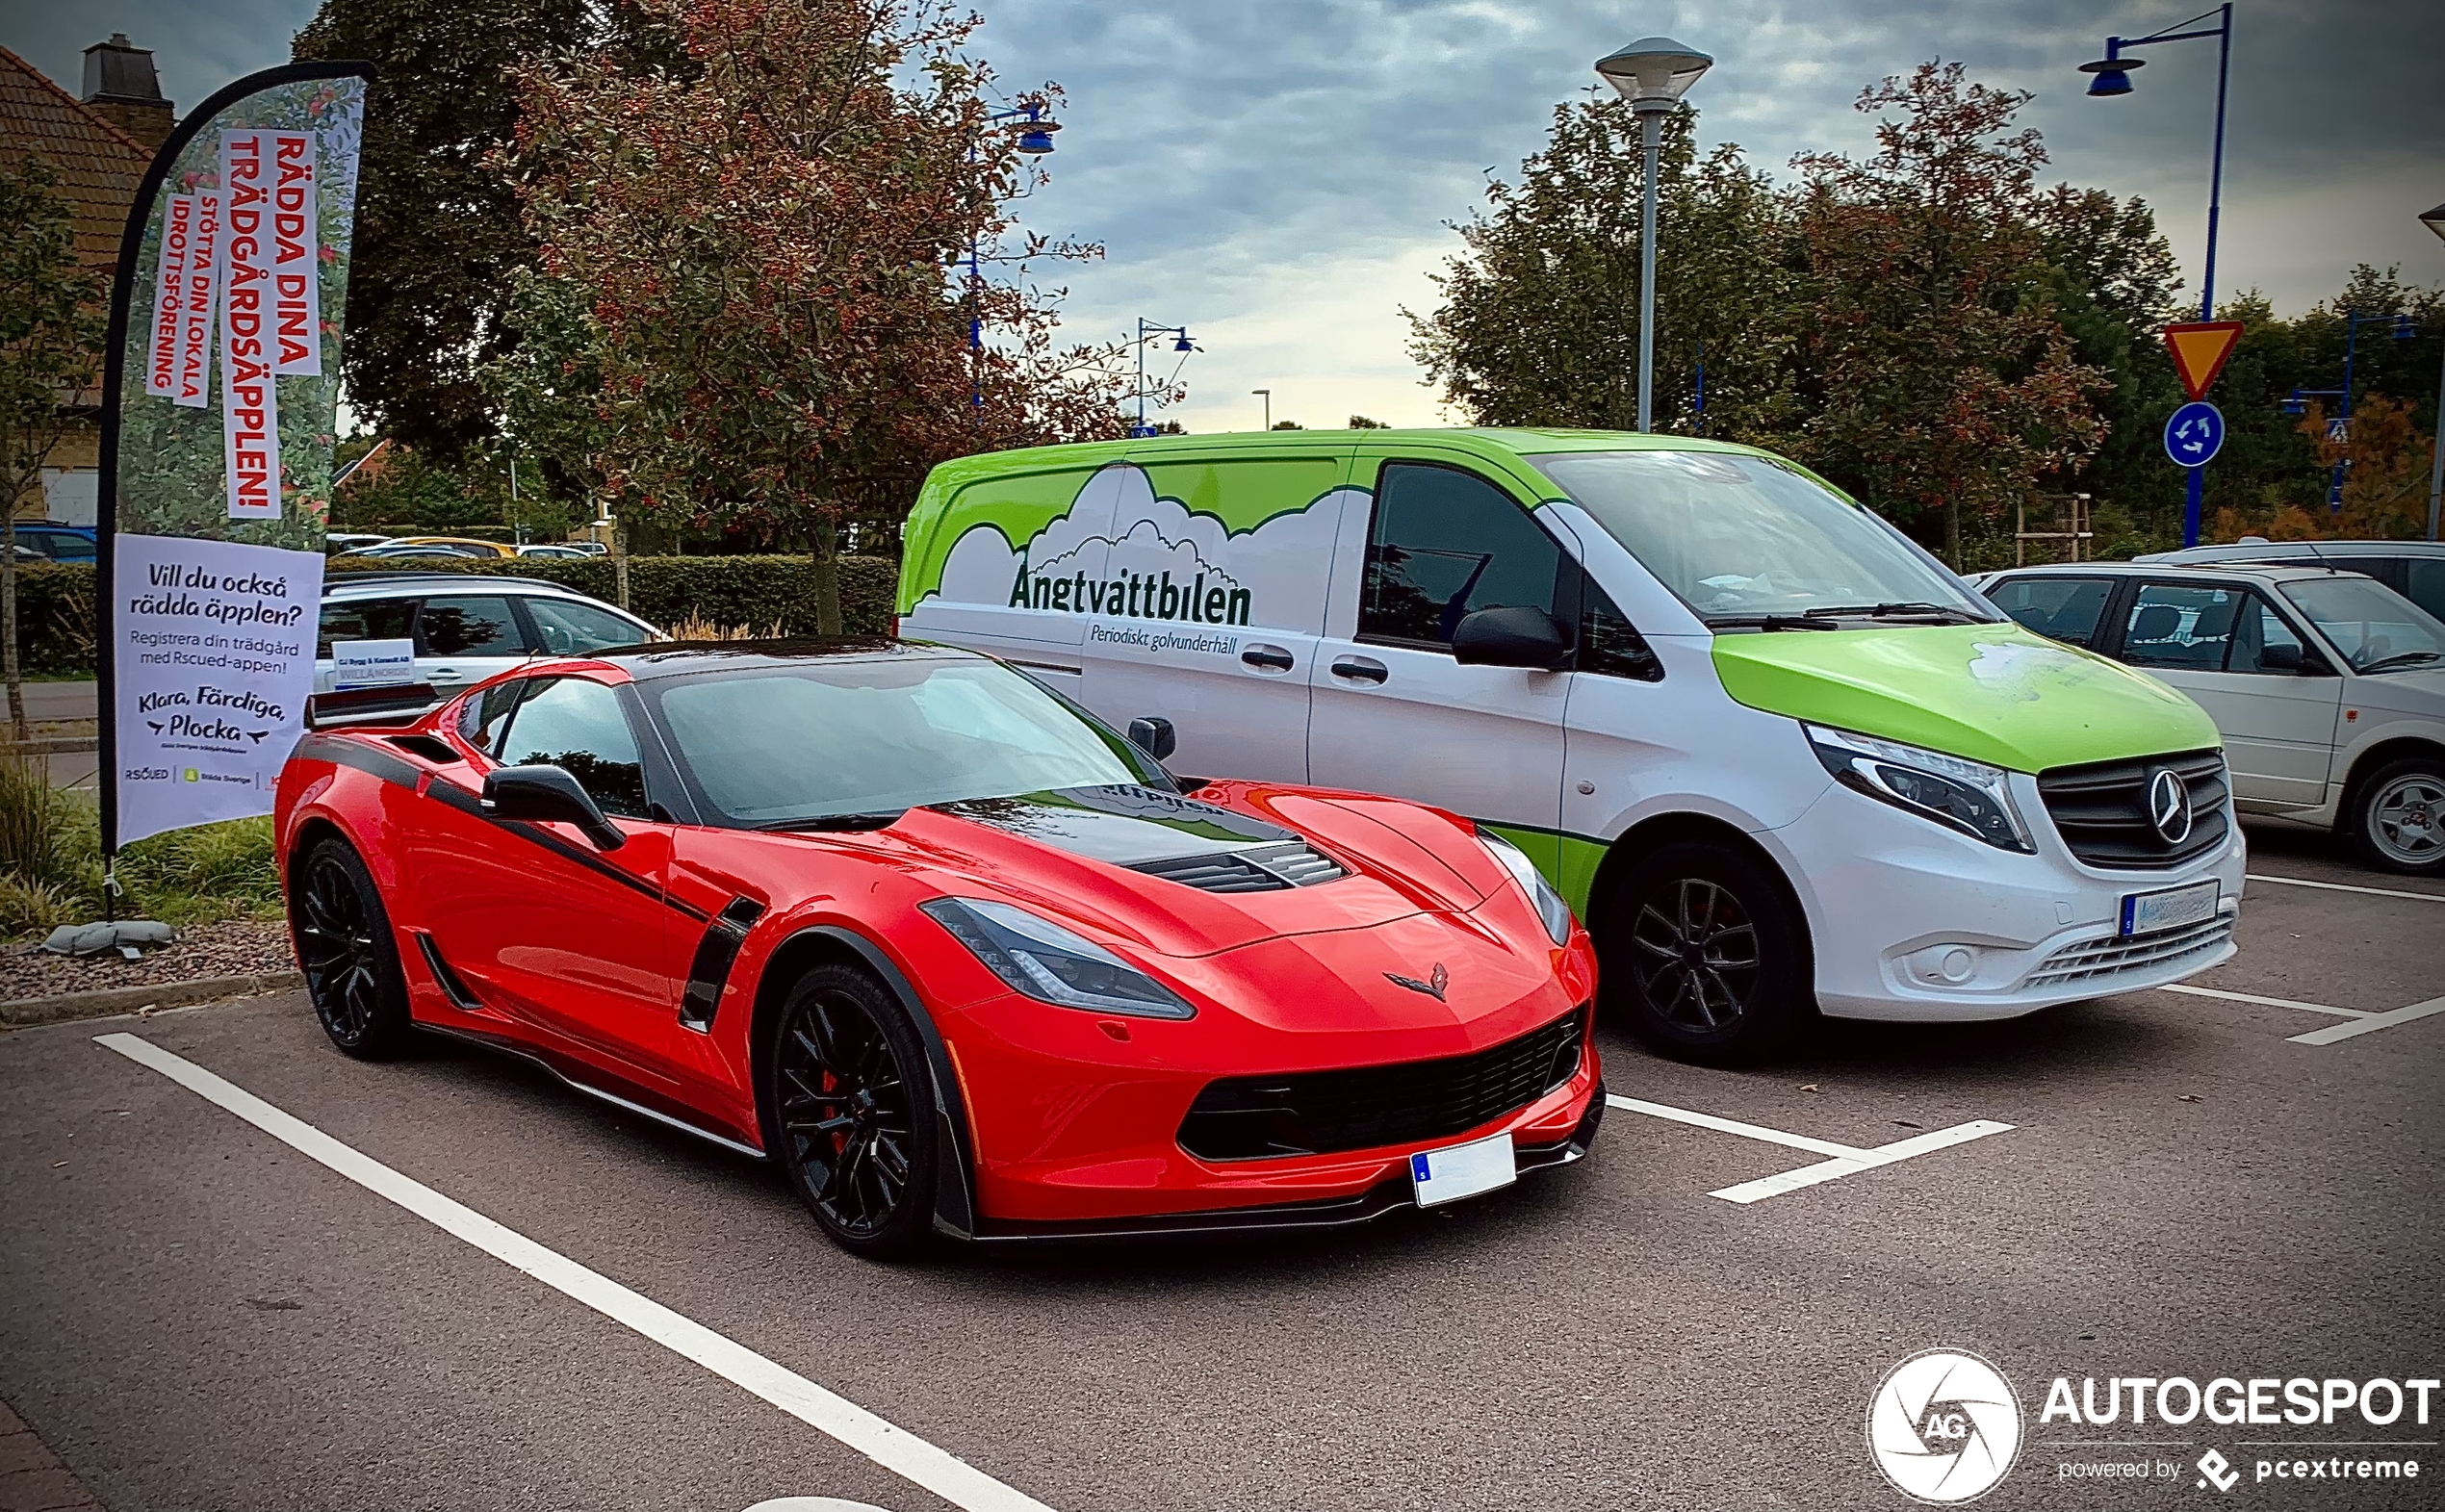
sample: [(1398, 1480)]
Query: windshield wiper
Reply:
[(837, 823), (2401, 658), (1769, 622), (1895, 611)]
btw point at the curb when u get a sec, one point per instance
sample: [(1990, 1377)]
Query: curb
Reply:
[(27, 1012)]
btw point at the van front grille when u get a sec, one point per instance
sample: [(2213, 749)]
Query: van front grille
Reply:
[(2101, 809)]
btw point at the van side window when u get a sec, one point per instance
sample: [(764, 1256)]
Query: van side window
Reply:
[(1609, 643), (2060, 608), (2177, 628), (1445, 544), (2262, 642)]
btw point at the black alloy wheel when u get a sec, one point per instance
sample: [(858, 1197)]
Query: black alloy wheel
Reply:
[(852, 1105), (1706, 955), (346, 948)]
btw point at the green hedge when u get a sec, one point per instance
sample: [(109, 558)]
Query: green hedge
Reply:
[(55, 600)]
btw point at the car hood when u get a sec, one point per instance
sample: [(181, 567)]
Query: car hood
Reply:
[(2411, 690), (1995, 693), (1080, 853)]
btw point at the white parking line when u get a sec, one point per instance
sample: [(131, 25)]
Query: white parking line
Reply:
[(1841, 1160), (2269, 1002), (894, 1449), (2345, 887), (2370, 1023)]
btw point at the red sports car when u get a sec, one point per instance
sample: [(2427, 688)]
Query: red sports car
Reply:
[(959, 958)]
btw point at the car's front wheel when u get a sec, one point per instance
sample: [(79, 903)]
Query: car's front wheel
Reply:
[(2398, 817), (347, 951), (852, 1103), (1706, 955)]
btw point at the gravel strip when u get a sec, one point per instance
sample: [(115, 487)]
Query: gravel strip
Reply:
[(231, 948)]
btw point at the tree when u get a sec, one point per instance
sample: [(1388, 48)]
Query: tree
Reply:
[(757, 252), (1938, 380), (1538, 324), (51, 336), (437, 232)]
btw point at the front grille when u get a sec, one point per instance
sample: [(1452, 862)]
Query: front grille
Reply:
[(2113, 956), (1318, 1112), (1261, 868), (2101, 809)]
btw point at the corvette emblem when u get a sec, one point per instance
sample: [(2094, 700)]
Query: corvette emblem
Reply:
[(1432, 987)]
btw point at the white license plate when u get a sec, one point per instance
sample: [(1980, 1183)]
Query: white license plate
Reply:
[(1463, 1170), (2146, 912)]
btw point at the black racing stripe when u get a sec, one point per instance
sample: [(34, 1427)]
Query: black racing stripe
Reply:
[(340, 751), (715, 954)]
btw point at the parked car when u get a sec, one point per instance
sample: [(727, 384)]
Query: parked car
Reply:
[(440, 546), (957, 958), (2413, 569), (1778, 755), (2329, 686), (350, 543), (54, 542), (464, 630), (563, 549)]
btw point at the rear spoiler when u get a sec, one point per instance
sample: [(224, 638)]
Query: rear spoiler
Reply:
[(393, 705)]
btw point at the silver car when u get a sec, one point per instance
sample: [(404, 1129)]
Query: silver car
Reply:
[(466, 627)]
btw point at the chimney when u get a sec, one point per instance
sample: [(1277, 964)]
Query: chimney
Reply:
[(121, 87)]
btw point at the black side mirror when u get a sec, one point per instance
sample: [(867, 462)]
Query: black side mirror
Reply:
[(2281, 658), (548, 793), (1516, 637), (1153, 736)]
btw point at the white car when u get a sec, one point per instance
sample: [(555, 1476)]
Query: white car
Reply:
[(465, 629), (2327, 686)]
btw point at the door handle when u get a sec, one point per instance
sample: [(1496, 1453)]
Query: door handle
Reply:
[(1267, 658), (1360, 670)]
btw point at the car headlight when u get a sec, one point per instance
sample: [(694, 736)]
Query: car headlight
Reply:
[(1550, 905), (1968, 796), (1043, 960)]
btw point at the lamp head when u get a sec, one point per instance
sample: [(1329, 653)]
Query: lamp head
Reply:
[(2294, 404), (2113, 74), (1038, 140), (1183, 344), (2404, 329), (2435, 221), (1654, 71)]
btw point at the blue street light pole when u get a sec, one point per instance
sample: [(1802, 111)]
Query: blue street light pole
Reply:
[(2113, 77), (1035, 139), (2296, 402), (1181, 343)]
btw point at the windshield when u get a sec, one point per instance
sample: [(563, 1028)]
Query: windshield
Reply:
[(2376, 628), (770, 745), (1738, 537)]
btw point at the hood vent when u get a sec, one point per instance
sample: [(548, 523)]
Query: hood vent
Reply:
[(1262, 868)]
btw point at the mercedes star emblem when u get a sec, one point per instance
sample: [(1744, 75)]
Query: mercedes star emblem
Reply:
[(2169, 806)]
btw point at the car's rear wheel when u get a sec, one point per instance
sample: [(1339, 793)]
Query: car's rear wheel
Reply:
[(2398, 817), (852, 1102), (346, 948), (1705, 956)]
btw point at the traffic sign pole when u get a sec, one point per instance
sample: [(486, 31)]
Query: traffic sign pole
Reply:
[(2191, 509)]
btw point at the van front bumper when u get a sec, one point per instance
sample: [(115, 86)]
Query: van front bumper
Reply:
[(1913, 922)]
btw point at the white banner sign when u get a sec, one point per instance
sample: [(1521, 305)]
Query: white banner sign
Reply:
[(249, 410), (200, 310), (216, 660), (296, 278), (371, 663), (169, 291)]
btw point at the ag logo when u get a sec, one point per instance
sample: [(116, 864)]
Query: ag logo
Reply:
[(1944, 1426), (2169, 806)]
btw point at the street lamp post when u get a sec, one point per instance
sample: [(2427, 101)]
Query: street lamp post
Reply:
[(2435, 221), (1035, 139), (2113, 77), (1147, 328), (1652, 74)]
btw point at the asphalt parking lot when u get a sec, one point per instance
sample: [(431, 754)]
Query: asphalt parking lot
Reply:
[(2234, 1181)]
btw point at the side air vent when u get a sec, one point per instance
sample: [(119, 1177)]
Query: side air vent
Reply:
[(453, 988), (430, 748), (1262, 868)]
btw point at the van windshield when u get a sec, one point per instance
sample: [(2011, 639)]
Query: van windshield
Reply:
[(1743, 540)]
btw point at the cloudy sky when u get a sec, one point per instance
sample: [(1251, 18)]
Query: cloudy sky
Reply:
[(1275, 174)]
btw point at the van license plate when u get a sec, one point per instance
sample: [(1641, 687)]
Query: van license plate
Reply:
[(2146, 912), (1463, 1170)]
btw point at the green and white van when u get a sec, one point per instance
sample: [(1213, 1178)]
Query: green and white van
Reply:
[(1775, 754)]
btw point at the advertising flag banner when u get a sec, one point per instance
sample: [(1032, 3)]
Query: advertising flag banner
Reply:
[(219, 414), (170, 294), (199, 309), (2199, 348)]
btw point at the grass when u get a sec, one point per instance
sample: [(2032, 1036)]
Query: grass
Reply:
[(51, 863)]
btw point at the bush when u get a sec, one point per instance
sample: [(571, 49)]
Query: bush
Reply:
[(55, 600)]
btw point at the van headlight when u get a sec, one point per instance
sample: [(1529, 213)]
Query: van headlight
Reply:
[(1550, 906), (1968, 796), (1051, 964)]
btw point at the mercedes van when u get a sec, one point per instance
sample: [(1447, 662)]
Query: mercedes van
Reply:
[(1779, 758)]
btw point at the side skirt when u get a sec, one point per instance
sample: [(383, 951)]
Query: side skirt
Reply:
[(575, 1084)]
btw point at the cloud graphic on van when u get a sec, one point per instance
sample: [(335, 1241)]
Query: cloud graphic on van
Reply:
[(1122, 552)]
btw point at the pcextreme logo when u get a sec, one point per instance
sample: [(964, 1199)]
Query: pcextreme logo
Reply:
[(1944, 1426)]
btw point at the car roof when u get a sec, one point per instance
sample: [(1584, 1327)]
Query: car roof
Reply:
[(381, 584), (2256, 572), (684, 658), (2288, 551)]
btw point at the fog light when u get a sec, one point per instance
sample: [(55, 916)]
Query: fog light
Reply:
[(1945, 966)]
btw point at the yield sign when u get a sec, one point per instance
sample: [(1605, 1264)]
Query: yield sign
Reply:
[(2199, 350)]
